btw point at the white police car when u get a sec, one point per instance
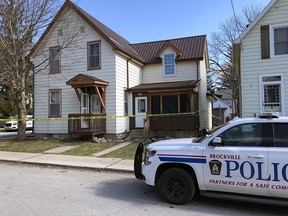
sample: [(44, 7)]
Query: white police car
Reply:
[(244, 158)]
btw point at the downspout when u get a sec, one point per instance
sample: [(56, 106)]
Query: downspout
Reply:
[(127, 71), (33, 98)]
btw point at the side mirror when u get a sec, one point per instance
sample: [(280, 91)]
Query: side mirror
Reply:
[(217, 141), (204, 131)]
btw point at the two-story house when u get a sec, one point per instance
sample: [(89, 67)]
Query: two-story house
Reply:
[(261, 57), (96, 82)]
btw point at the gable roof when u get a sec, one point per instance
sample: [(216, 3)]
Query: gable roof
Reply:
[(263, 12), (84, 79), (116, 41), (189, 47)]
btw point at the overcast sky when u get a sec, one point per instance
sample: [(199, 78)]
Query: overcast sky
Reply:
[(151, 20)]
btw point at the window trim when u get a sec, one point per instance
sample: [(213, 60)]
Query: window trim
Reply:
[(282, 92), (88, 55), (164, 64), (60, 102), (50, 60), (272, 41)]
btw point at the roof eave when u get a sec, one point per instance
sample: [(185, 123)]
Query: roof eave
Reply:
[(264, 11)]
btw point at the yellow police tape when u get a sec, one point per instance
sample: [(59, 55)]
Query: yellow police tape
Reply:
[(107, 117)]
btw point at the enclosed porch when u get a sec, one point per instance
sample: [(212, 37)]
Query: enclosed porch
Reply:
[(166, 109)]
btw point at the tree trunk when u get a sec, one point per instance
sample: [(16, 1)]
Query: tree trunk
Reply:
[(21, 109)]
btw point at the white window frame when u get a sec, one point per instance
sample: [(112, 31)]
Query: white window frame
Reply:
[(272, 48), (282, 95), (51, 91), (55, 57), (164, 64), (89, 67)]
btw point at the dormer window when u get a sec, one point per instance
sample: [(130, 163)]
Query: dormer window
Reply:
[(169, 64)]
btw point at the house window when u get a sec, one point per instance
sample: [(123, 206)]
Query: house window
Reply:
[(279, 40), (169, 64), (55, 56), (54, 102), (96, 104), (271, 89), (93, 55)]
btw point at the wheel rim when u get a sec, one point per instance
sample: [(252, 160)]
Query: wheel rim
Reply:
[(175, 188)]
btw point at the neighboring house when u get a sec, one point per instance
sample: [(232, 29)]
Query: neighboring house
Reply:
[(223, 107), (105, 85), (261, 57)]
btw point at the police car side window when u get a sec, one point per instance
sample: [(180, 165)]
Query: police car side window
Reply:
[(280, 134), (243, 135)]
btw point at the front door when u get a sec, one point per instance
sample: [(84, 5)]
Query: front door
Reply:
[(84, 110), (140, 111)]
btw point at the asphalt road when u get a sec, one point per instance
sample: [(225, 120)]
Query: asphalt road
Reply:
[(12, 134), (32, 190)]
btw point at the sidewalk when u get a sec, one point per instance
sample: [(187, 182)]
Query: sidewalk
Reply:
[(52, 159)]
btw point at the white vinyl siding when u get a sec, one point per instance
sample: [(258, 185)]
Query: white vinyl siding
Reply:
[(252, 66), (186, 70), (204, 109), (72, 66)]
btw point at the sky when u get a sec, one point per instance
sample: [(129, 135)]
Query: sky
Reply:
[(151, 20)]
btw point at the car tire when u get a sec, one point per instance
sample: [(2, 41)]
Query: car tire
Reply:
[(177, 186)]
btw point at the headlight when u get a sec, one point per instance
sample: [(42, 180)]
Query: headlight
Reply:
[(148, 154)]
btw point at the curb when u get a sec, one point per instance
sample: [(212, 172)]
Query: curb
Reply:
[(98, 169)]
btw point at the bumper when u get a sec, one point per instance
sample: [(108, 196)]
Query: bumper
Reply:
[(138, 162)]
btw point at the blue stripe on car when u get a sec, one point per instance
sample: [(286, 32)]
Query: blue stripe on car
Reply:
[(187, 160)]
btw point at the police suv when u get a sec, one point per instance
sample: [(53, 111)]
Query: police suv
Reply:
[(244, 158)]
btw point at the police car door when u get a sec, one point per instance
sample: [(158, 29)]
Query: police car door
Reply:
[(278, 163), (239, 164)]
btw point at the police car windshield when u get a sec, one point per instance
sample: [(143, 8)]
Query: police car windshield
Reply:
[(201, 138)]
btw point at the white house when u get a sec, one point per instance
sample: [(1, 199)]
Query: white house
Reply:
[(96, 82), (223, 107), (261, 57)]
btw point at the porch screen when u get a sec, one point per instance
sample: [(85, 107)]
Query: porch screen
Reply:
[(185, 103), (155, 104), (170, 104)]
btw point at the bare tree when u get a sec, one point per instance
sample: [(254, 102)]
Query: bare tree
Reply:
[(21, 24), (220, 48)]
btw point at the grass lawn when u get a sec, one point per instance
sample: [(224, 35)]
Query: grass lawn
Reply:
[(127, 152), (31, 146), (87, 149)]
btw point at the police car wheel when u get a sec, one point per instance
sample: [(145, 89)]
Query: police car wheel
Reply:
[(177, 186)]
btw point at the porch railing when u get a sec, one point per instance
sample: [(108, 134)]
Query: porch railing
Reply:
[(87, 124), (174, 122)]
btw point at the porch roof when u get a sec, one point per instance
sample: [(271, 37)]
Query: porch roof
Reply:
[(166, 85), (81, 80)]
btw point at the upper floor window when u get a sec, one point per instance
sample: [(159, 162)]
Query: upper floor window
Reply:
[(93, 55), (55, 57), (279, 40), (55, 102), (169, 64)]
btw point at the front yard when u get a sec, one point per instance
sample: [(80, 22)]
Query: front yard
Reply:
[(85, 148)]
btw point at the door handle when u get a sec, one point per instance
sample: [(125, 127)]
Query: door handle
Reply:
[(255, 156)]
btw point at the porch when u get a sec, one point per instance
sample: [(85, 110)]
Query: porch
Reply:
[(86, 124)]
